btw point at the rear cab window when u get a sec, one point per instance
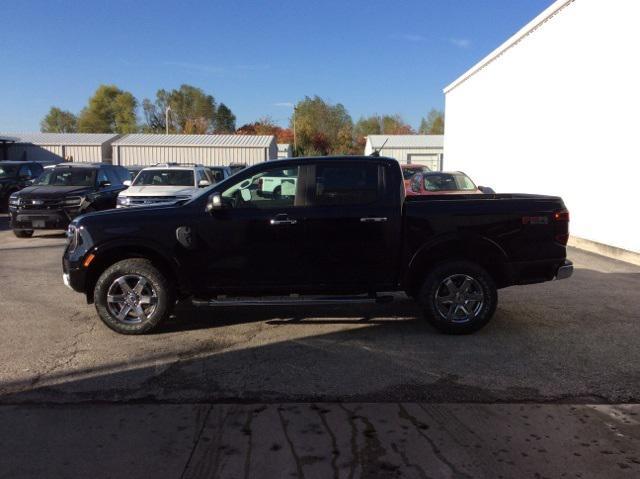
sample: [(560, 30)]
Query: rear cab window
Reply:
[(347, 183)]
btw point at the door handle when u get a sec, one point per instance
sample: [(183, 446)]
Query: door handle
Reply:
[(373, 219), (282, 220)]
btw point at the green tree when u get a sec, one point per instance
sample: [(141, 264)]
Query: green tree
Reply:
[(322, 128), (225, 120), (379, 125), (59, 121), (433, 124), (110, 110), (192, 111)]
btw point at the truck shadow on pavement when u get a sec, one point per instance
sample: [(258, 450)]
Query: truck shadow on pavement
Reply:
[(187, 317), (562, 341)]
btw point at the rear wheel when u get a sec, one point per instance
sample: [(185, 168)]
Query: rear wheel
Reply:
[(133, 297), (23, 233), (458, 297)]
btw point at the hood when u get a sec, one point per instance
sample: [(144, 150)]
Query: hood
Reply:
[(159, 191), (53, 192)]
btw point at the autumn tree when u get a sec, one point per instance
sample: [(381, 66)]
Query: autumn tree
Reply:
[(110, 110), (322, 128), (433, 124), (192, 111), (266, 126), (59, 121), (379, 125)]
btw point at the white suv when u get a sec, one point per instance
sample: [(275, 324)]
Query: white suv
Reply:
[(165, 184)]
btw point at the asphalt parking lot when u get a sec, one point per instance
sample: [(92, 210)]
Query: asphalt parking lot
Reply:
[(562, 346)]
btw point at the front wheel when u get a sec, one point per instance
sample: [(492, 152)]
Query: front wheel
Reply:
[(133, 297), (458, 297), (23, 233)]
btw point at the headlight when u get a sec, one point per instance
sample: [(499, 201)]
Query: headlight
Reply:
[(14, 200), (73, 201), (73, 237), (123, 201)]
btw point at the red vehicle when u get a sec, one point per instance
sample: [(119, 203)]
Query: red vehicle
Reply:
[(408, 171), (442, 183)]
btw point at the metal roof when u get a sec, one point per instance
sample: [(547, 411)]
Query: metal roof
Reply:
[(406, 141), (530, 27), (229, 141), (60, 138)]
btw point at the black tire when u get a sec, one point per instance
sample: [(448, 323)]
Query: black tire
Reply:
[(156, 287), (467, 282), (277, 192), (23, 233)]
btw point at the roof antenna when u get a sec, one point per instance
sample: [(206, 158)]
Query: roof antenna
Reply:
[(376, 153)]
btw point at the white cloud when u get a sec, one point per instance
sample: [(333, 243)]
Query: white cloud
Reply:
[(214, 69), (287, 104), (409, 37), (460, 42)]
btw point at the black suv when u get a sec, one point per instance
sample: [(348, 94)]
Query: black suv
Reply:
[(63, 192), (15, 175)]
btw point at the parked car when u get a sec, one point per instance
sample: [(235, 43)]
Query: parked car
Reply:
[(219, 173), (442, 183), (63, 192), (278, 183), (133, 172), (409, 170), (15, 175), (345, 232), (235, 167), (165, 183)]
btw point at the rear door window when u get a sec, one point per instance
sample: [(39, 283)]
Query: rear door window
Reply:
[(347, 183)]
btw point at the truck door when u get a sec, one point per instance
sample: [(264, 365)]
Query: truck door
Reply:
[(352, 228), (256, 243)]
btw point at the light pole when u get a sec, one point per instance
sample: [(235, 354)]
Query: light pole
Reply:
[(166, 119), (295, 143)]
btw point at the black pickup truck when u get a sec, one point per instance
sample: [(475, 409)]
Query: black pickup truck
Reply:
[(336, 230)]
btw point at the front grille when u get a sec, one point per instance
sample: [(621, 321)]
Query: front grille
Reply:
[(35, 204), (149, 200)]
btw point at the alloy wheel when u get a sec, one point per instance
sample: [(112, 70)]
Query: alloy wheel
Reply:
[(131, 299)]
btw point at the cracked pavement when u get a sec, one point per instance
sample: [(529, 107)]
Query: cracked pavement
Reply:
[(564, 349)]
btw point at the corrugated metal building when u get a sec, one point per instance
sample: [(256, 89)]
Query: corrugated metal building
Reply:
[(424, 150), (56, 147), (210, 150), (285, 150), (554, 110)]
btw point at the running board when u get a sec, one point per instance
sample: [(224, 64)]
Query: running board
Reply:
[(292, 300)]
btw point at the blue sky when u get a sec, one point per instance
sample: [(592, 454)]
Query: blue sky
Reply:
[(372, 56)]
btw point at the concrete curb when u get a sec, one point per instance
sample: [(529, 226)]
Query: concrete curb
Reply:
[(605, 250)]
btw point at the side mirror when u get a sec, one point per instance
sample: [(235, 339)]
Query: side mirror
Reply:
[(486, 190), (104, 184), (214, 202), (126, 182), (203, 183)]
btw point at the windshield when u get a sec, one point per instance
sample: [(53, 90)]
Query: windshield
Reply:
[(407, 173), (164, 178), (67, 177), (8, 171), (448, 182)]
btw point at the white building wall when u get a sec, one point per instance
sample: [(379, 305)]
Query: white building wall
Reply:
[(558, 114), (84, 153), (206, 155), (431, 157)]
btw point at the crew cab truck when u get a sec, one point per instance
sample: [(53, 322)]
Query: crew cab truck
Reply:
[(345, 234)]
